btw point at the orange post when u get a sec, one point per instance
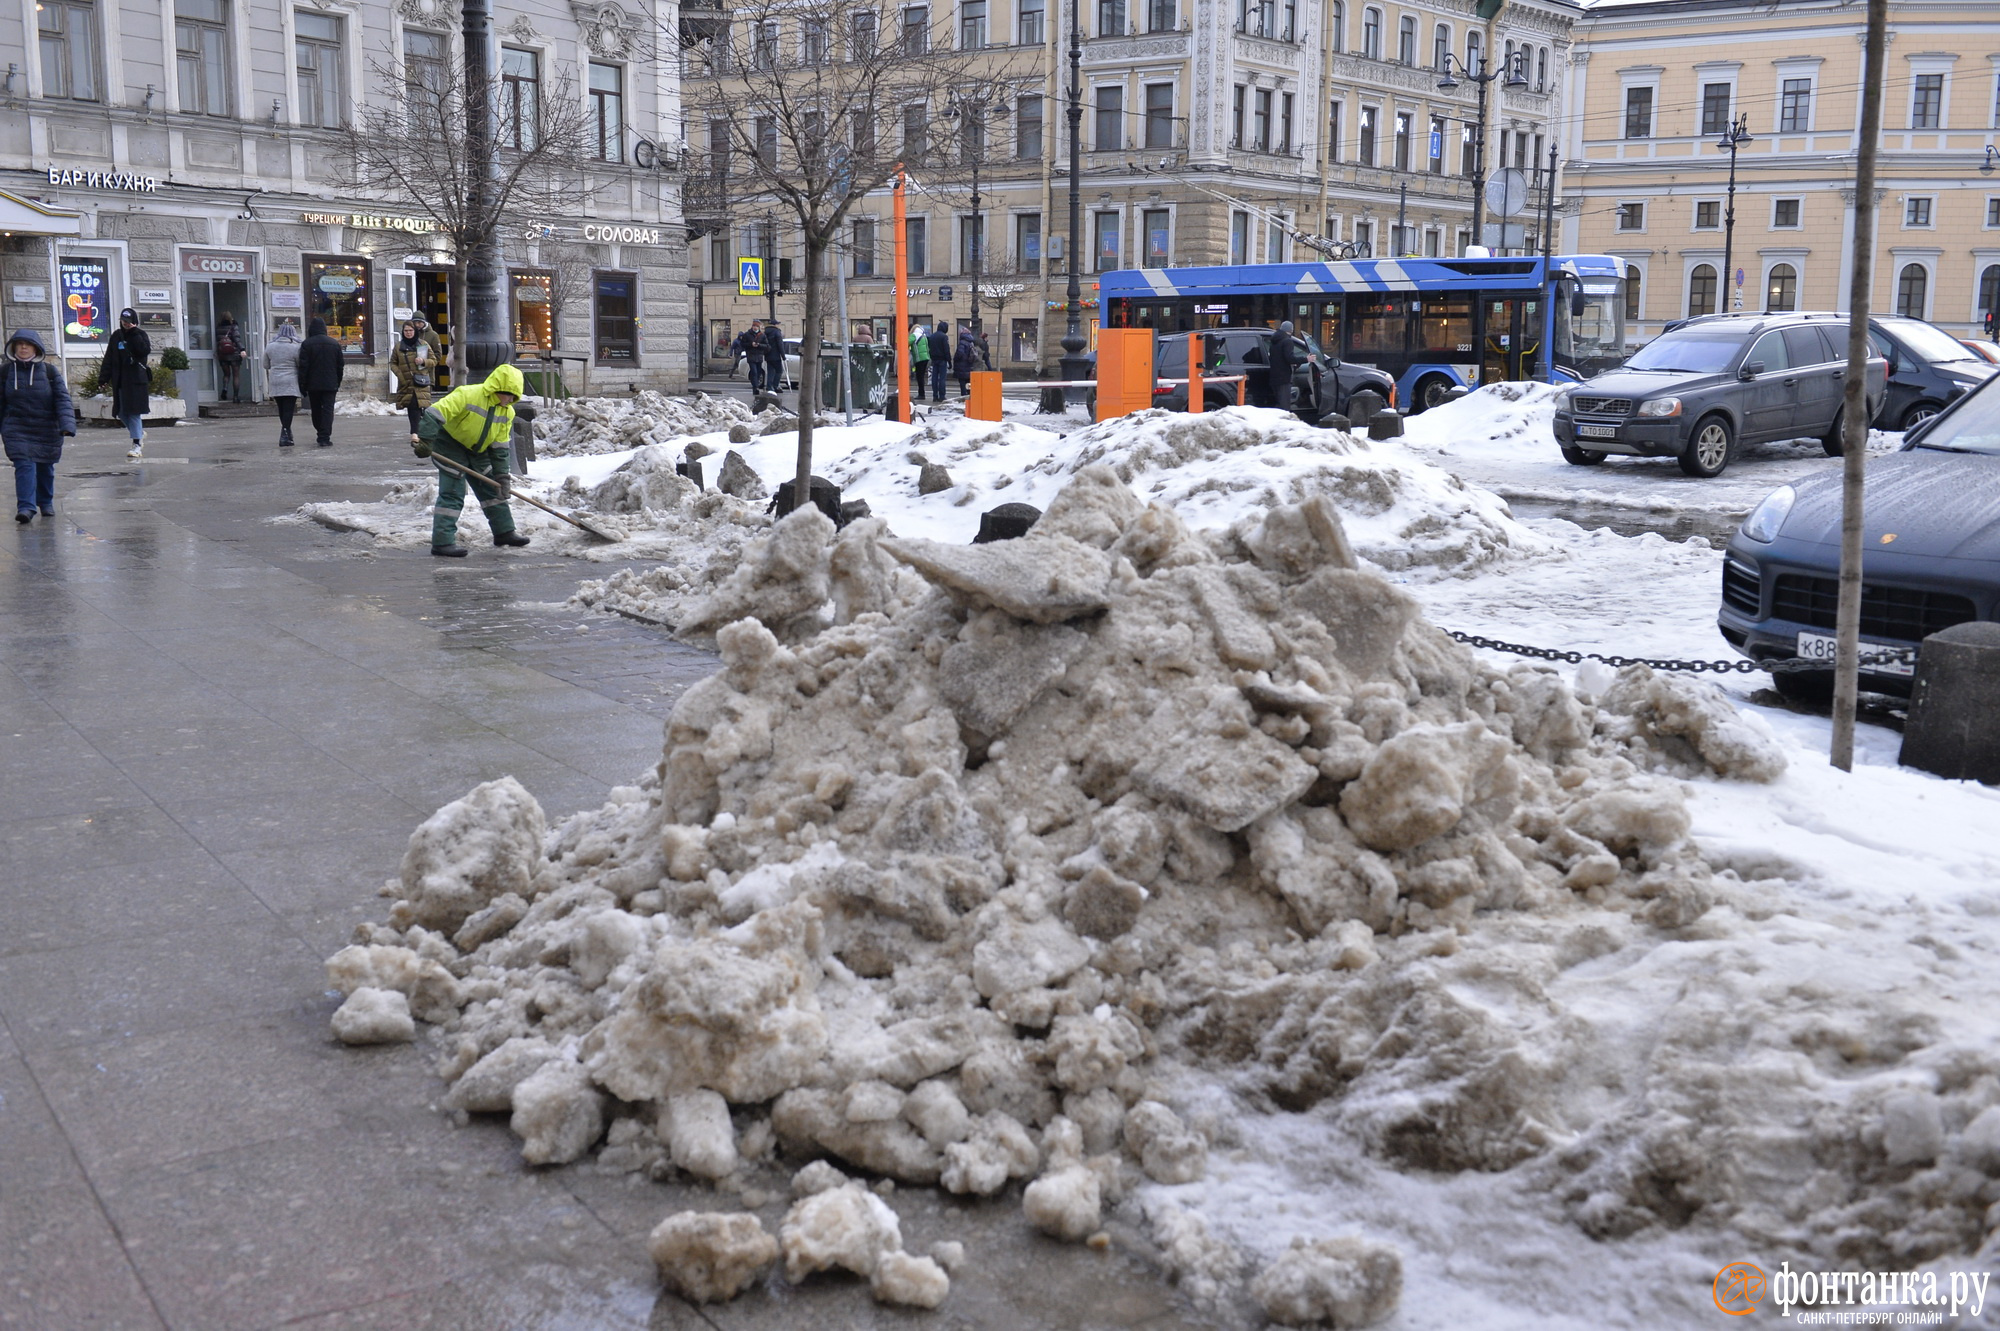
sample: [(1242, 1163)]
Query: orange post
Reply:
[(1241, 384), (1124, 371), (984, 404), (902, 327), (1194, 372)]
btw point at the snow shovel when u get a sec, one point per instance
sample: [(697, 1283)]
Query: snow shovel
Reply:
[(601, 533)]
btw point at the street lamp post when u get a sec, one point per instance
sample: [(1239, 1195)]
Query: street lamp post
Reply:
[(486, 342), (1733, 138), (1514, 72), (973, 112), (1074, 364)]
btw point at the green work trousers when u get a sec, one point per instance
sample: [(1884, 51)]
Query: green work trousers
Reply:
[(451, 489)]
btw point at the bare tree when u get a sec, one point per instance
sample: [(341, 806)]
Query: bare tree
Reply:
[(410, 146), (569, 269), (810, 106)]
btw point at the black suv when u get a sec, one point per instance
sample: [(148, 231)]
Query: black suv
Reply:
[(1703, 389), (1320, 383)]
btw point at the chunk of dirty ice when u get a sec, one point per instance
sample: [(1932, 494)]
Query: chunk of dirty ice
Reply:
[(487, 1087), (847, 1227), (916, 1282), (816, 1177), (1044, 579), (935, 1110), (999, 1149), (698, 1133), (1018, 956), (1165, 1148), (374, 1016), (710, 1256), (558, 1114), (433, 992), (1066, 1203), (472, 851), (1912, 1128), (1345, 1281), (948, 1253)]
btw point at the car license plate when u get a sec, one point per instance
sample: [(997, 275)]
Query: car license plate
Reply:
[(1824, 647), (1597, 431)]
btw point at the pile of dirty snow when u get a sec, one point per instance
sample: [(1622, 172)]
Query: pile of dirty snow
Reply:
[(971, 860), (567, 427)]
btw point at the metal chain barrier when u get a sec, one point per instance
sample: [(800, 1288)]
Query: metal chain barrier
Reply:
[(1741, 665)]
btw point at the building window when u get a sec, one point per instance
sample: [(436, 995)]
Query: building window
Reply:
[(1105, 227), (1027, 243), (1440, 46), (1406, 40), (1159, 115), (1784, 214), (1286, 104), (764, 45), (607, 108), (1715, 108), (1274, 244), (1435, 146), (1364, 238), (520, 97), (1912, 289), (1027, 338), (1110, 119), (718, 260), (615, 326), (1239, 238), (1156, 226), (1260, 121), (1337, 16), (1333, 132), (68, 32), (971, 25), (1031, 22), (916, 30), (862, 134), (1236, 117), (971, 140), (201, 56), (1371, 33), (1708, 215), (971, 243), (1993, 212), (1111, 18), (1403, 119), (1465, 150), (1542, 70), (861, 35), (1927, 101), (1781, 290), (1795, 106), (1638, 113), (1028, 129), (1634, 281), (1162, 16), (1701, 290), (1631, 217), (914, 255), (767, 141), (864, 247), (1366, 147), (1917, 212), (916, 134), (1989, 292), (337, 290), (1475, 49), (1291, 21), (317, 53)]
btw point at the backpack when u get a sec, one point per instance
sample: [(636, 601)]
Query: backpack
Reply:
[(225, 344)]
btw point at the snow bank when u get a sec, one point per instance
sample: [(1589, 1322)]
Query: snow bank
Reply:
[(567, 427)]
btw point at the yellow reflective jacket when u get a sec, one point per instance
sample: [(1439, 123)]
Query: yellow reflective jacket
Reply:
[(471, 416)]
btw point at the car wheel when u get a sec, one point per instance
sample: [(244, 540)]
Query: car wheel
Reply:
[(1174, 401), (1708, 452), (1430, 391), (1832, 441), (1813, 687), (1918, 413), (1581, 457)]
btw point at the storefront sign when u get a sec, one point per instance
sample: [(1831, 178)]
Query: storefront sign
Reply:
[(288, 300), (284, 279), (120, 180), (530, 294), (154, 296), (83, 298), (373, 222), (156, 319), (623, 235), (211, 263), (31, 295), (337, 283)]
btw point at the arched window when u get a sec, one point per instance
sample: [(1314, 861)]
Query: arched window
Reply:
[(1475, 51), (1542, 69), (1440, 46), (1781, 290), (1339, 26), (1371, 33), (1912, 290), (1406, 40), (1701, 290), (1989, 294), (1634, 281)]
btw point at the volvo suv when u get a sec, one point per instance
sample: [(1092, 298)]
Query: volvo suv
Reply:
[(1701, 391)]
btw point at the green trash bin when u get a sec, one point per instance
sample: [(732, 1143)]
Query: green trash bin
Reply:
[(871, 376)]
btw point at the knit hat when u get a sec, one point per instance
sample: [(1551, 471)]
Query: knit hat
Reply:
[(127, 316)]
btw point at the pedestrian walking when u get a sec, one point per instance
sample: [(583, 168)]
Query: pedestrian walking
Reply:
[(1285, 356), (985, 350), (470, 426), (281, 376), (322, 363), (36, 415), (749, 347), (941, 351), (440, 367), (774, 356), (228, 359), (920, 360), (964, 359), (410, 361), (124, 374)]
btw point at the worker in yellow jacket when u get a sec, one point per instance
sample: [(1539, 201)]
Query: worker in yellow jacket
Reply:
[(470, 426)]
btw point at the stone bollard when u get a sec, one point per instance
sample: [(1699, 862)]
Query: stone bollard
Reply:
[(523, 436), (1364, 404), (1953, 729), (1386, 424), (1333, 420), (1006, 522), (825, 496), (691, 470)]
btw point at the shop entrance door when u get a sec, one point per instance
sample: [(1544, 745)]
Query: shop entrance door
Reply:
[(207, 300), (434, 303)]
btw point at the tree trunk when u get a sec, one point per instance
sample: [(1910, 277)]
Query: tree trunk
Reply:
[(809, 353), (457, 304)]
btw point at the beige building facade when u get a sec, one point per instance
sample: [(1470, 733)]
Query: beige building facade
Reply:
[(1654, 86), (1210, 128)]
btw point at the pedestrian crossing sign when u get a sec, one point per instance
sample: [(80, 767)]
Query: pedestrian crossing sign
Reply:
[(749, 277)]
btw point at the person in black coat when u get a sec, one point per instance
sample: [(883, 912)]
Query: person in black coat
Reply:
[(36, 415), (1286, 355), (124, 375), (774, 356), (964, 360), (941, 352), (322, 362)]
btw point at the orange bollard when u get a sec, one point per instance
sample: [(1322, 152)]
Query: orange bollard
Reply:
[(984, 404), (1194, 372)]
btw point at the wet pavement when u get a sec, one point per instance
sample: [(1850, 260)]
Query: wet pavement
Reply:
[(218, 725)]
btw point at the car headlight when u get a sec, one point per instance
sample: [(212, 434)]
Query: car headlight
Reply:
[(1565, 402), (1661, 406), (1768, 518)]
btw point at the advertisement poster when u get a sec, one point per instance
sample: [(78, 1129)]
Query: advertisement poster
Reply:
[(83, 299)]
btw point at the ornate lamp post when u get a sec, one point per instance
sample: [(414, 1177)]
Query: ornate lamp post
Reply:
[(1514, 72), (1075, 365), (1733, 138), (486, 341), (972, 113)]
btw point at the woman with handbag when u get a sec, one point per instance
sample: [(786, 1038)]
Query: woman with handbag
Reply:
[(412, 362)]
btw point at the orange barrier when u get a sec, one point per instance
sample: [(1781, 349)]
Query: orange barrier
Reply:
[(1195, 402), (984, 404), (1124, 371)]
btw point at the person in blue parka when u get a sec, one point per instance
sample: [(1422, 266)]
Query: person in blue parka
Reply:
[(36, 415)]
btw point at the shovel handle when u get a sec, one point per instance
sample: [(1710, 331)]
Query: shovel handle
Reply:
[(511, 494)]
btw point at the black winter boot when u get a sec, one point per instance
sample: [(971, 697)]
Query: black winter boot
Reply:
[(509, 538), (285, 436), (450, 551)]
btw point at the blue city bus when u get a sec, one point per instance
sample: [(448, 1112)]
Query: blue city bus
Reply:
[(1431, 324)]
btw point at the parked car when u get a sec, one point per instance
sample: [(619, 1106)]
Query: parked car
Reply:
[(1980, 347), (1320, 384), (1931, 553), (1704, 389)]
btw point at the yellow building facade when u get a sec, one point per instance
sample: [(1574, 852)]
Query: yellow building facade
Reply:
[(1656, 85)]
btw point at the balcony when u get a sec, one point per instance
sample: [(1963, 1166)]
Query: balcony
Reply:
[(702, 20)]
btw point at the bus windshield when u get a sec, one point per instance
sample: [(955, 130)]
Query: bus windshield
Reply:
[(1596, 339)]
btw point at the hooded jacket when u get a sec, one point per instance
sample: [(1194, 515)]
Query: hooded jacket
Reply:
[(322, 362), (35, 407), (471, 417), (281, 362), (406, 363), (966, 357), (123, 372)]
